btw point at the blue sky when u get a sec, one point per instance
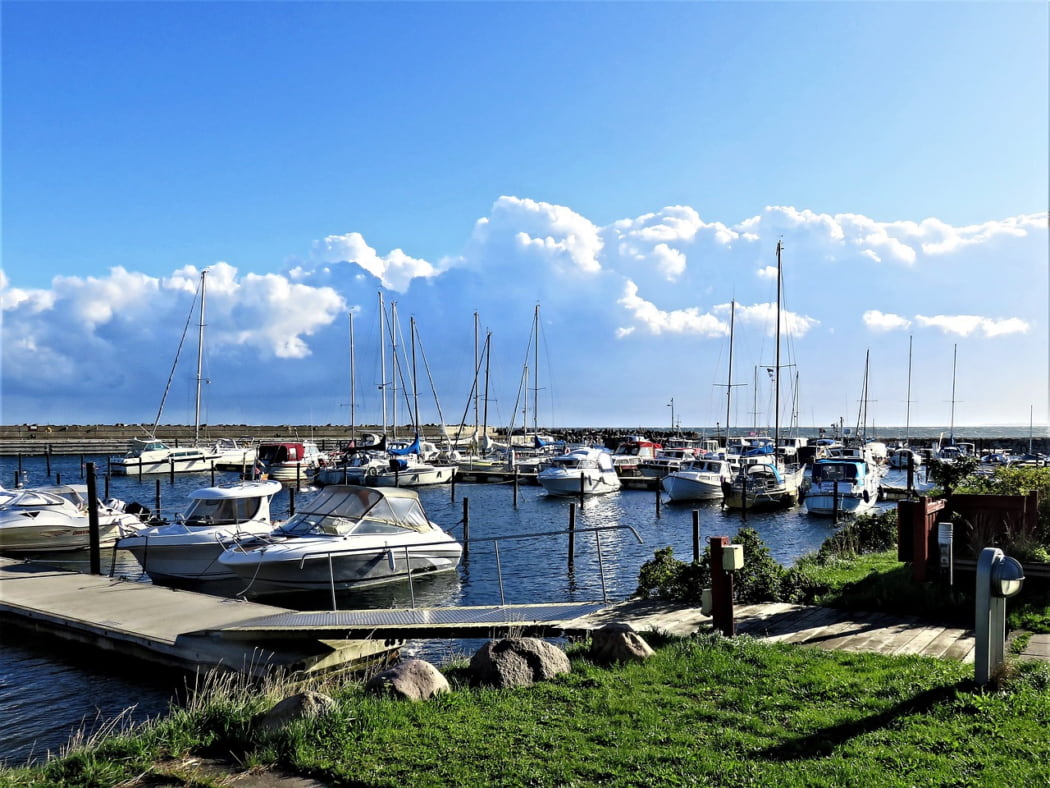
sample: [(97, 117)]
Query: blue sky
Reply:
[(630, 167)]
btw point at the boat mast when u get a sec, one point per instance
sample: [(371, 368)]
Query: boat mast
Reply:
[(485, 406), (476, 366), (907, 411), (536, 373), (200, 360), (415, 388), (353, 384), (382, 356), (776, 379), (951, 426), (729, 382), (396, 368)]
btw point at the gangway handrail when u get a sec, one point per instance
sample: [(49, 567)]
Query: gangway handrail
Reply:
[(390, 550)]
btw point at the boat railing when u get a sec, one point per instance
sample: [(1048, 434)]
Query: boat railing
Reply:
[(393, 551)]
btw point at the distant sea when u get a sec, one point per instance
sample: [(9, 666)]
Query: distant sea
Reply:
[(887, 434)]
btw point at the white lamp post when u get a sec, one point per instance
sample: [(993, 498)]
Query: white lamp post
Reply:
[(998, 577)]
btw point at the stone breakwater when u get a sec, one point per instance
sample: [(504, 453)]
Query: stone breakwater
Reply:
[(40, 439)]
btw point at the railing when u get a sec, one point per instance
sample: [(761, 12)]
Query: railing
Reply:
[(495, 540)]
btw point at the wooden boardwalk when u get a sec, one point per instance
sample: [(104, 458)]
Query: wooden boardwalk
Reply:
[(820, 627)]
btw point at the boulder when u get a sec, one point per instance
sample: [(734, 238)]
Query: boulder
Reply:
[(517, 662), (413, 679), (303, 704), (618, 642)]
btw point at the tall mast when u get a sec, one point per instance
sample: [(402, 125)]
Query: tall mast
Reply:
[(485, 406), (907, 411), (415, 388), (353, 384), (382, 356), (200, 359), (476, 360), (776, 379), (395, 366), (729, 382), (536, 373), (951, 429)]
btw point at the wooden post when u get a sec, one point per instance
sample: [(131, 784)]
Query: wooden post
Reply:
[(835, 503), (572, 533), (696, 535), (213, 473), (466, 525), (911, 472), (583, 482), (93, 534), (721, 589), (291, 501), (106, 480), (658, 499), (58, 478), (515, 486), (156, 498)]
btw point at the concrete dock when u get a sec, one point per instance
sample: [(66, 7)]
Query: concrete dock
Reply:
[(174, 627)]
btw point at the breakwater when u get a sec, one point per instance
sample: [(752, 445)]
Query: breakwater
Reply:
[(113, 439)]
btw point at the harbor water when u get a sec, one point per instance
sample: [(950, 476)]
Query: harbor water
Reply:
[(49, 691)]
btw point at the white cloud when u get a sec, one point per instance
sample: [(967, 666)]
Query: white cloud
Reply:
[(395, 271), (657, 321), (881, 321), (965, 325), (765, 316)]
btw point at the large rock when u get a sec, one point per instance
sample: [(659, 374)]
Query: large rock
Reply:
[(517, 662), (413, 679), (618, 642), (304, 704)]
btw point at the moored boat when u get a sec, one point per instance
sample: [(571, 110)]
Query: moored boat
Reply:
[(151, 456), (586, 471), (189, 548), (698, 480), (843, 486), (56, 519), (345, 537)]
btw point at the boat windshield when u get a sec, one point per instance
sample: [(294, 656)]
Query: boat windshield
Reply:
[(834, 472), (358, 510), (222, 511)]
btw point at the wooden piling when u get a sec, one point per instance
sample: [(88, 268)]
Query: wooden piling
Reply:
[(572, 533), (696, 535), (466, 525), (94, 539)]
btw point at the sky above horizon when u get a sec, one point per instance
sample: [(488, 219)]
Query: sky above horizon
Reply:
[(627, 167)]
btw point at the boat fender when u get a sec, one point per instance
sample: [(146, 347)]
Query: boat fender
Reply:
[(867, 497)]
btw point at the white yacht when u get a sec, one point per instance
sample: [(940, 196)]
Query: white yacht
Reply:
[(698, 480), (848, 486), (586, 471), (189, 548), (347, 536)]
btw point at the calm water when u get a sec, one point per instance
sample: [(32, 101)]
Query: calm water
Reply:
[(48, 690)]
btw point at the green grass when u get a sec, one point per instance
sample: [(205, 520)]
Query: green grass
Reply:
[(702, 711)]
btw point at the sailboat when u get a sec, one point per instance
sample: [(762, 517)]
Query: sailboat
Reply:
[(767, 481), (904, 455), (152, 455)]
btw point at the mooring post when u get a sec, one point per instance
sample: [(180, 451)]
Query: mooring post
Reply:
[(93, 535), (835, 503), (696, 535), (572, 533), (156, 498), (213, 473), (452, 485), (657, 499), (291, 501), (466, 525), (515, 486), (583, 482), (58, 479), (171, 470), (721, 589), (911, 472)]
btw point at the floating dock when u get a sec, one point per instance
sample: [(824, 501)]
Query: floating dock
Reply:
[(178, 628)]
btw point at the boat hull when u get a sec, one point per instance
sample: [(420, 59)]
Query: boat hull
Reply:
[(49, 536), (567, 484), (682, 487)]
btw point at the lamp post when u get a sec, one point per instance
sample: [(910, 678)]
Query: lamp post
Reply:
[(998, 578), (671, 406)]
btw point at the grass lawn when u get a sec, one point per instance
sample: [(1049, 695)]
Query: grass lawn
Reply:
[(702, 711)]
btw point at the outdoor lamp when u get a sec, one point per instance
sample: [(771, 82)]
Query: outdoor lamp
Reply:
[(1007, 577), (998, 577)]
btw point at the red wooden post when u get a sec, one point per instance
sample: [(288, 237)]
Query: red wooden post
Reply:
[(721, 589)]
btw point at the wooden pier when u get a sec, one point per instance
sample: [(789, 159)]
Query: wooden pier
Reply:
[(177, 628)]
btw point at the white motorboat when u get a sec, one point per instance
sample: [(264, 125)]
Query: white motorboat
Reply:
[(233, 456), (764, 486), (56, 519), (288, 460), (188, 549), (409, 471), (345, 537), (586, 471), (699, 480), (149, 455), (666, 461), (900, 457), (849, 487)]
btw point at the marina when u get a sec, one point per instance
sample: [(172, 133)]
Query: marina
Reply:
[(533, 572)]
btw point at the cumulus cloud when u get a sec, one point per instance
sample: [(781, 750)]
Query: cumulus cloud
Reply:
[(395, 271), (965, 325), (765, 317), (881, 321), (657, 321)]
